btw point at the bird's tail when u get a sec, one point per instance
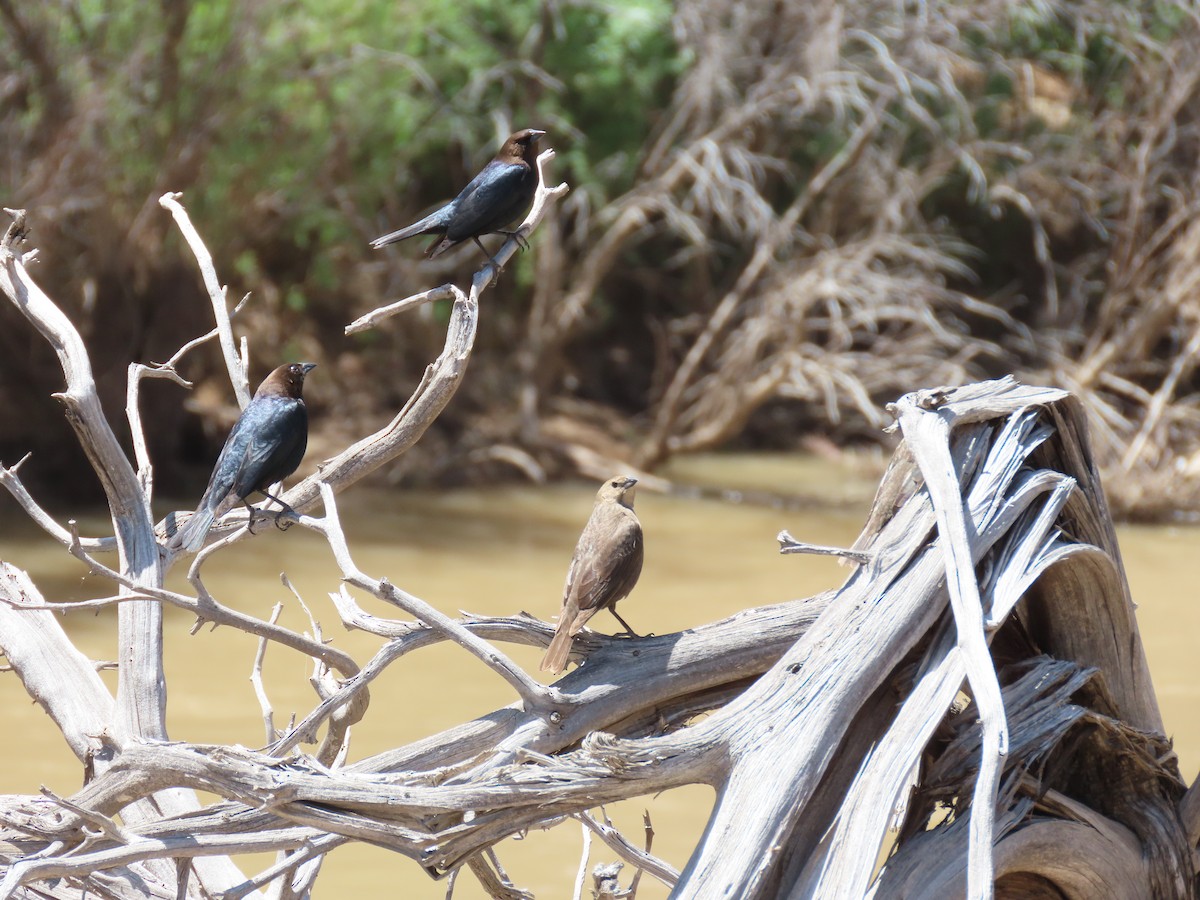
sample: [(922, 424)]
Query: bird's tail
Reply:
[(555, 659), (432, 222), (191, 536)]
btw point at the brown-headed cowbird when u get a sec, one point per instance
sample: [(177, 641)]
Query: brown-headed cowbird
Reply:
[(604, 569), (265, 446), (500, 193)]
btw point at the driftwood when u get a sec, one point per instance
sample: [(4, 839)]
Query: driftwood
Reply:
[(832, 727)]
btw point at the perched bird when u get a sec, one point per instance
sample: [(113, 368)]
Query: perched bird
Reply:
[(604, 569), (496, 197), (265, 446)]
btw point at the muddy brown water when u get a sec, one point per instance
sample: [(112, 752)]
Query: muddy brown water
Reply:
[(495, 552)]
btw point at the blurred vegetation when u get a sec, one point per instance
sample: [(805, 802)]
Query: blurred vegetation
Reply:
[(782, 216)]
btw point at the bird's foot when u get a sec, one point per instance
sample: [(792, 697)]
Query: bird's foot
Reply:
[(491, 270), (286, 518), (522, 241), (255, 516)]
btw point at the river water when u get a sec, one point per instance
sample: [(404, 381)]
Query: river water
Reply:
[(497, 551)]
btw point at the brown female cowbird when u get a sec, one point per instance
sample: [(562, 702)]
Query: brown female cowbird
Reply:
[(604, 569), (500, 193), (265, 446)]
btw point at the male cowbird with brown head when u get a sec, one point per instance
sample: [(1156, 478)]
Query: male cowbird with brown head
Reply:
[(496, 197), (265, 446), (604, 569)]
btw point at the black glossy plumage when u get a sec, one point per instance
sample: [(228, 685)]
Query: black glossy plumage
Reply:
[(266, 445), (496, 197)]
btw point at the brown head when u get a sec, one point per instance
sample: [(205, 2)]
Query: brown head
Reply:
[(618, 489), (286, 381), (521, 145)]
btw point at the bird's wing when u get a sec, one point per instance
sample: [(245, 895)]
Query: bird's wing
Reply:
[(228, 465), (609, 568), (493, 199), (278, 436)]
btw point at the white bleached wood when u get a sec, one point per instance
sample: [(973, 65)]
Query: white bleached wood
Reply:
[(236, 364), (778, 758), (141, 693), (581, 874), (861, 829), (620, 845), (927, 432), (11, 481), (535, 696), (45, 660)]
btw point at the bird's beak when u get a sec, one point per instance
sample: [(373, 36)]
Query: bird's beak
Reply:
[(534, 134), (308, 367)]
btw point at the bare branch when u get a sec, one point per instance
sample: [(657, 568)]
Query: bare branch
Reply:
[(535, 696), (620, 845), (584, 853), (375, 316), (256, 679), (217, 294), (788, 544), (208, 609), (12, 482), (141, 701)]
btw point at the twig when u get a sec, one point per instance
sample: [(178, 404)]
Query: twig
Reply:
[(336, 744), (490, 853), (101, 821), (620, 845), (183, 873), (138, 371), (300, 854), (606, 884), (209, 609), (13, 484), (141, 697), (375, 316), (216, 293), (1183, 363), (535, 696), (788, 544), (494, 881), (145, 849), (585, 853), (637, 876), (260, 691)]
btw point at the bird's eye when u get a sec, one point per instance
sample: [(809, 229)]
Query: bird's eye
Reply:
[(616, 484)]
